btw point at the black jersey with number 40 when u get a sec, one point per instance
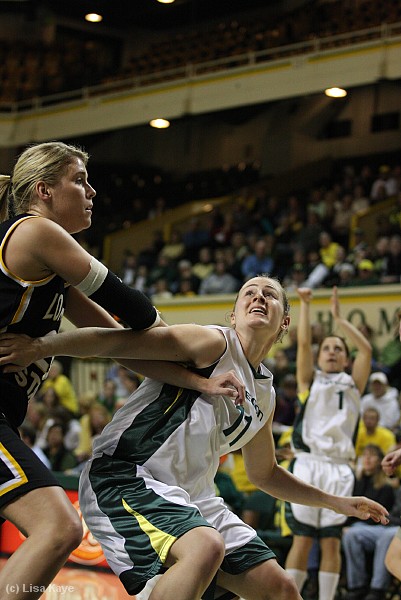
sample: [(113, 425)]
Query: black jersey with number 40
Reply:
[(31, 307)]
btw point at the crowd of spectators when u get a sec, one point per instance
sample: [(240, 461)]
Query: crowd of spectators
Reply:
[(66, 63), (304, 238)]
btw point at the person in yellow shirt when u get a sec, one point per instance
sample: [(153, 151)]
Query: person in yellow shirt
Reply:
[(328, 249), (370, 432), (63, 386)]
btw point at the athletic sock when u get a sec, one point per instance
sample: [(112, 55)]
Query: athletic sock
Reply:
[(328, 583), (299, 576)]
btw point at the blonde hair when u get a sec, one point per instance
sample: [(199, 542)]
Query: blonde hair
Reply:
[(47, 162)]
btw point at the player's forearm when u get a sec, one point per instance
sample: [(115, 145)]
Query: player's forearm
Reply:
[(167, 372), (355, 337), (88, 341), (284, 485), (304, 332)]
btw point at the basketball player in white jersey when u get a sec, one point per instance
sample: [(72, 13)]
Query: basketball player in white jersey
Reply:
[(323, 438)]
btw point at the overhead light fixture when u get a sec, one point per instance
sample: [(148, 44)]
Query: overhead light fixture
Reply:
[(93, 18), (335, 92), (166, 1), (159, 123)]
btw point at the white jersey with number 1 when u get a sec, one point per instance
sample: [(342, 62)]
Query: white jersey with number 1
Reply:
[(328, 420)]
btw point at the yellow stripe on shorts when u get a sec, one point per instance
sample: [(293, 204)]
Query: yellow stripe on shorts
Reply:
[(161, 542)]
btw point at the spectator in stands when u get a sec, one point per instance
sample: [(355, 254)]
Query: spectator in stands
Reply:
[(222, 232), (204, 266), (36, 416), (71, 427), (341, 223), (333, 278), (60, 458), (219, 281), (63, 386), (360, 201), (163, 269), (261, 261), (147, 256), (392, 272), (359, 539), (366, 178), (85, 401), (394, 216), (346, 275), (328, 208), (130, 382), (295, 277), (380, 255), (317, 270), (385, 186), (174, 249), (370, 432), (233, 265), (286, 403), (108, 396), (186, 288), (239, 244), (291, 349), (129, 268), (390, 360), (92, 424), (49, 397), (284, 241), (28, 435), (140, 280), (384, 399), (266, 214), (366, 274), (327, 249), (161, 290), (360, 248), (280, 365), (308, 236), (194, 238), (185, 276)]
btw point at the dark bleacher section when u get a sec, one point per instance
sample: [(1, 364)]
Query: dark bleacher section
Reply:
[(73, 61)]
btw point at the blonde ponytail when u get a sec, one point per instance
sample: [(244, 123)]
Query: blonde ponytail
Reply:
[(5, 185)]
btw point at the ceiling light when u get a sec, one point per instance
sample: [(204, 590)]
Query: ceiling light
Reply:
[(93, 18), (159, 123), (165, 1), (335, 92)]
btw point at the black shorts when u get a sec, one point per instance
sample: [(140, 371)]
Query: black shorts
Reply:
[(20, 469)]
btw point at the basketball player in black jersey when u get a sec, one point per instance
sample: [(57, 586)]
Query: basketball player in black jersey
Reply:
[(45, 274)]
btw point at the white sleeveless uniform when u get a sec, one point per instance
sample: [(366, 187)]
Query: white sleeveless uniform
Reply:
[(324, 444), (151, 477)]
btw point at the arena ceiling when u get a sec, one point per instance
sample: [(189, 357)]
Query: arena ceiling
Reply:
[(148, 14)]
